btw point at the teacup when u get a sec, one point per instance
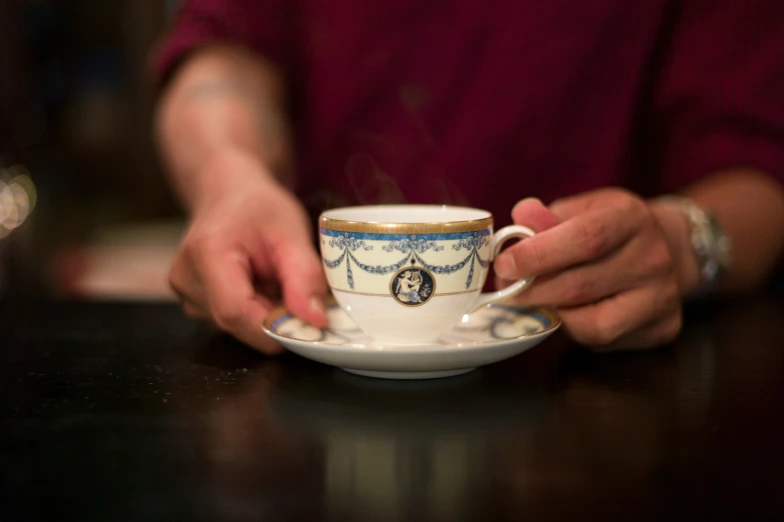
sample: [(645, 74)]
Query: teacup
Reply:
[(406, 274)]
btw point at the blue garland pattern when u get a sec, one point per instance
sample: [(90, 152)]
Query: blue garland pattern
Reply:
[(474, 242), (409, 246), (349, 242), (336, 262), (417, 245), (378, 269)]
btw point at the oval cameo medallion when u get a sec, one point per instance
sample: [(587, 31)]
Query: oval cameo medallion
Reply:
[(412, 286)]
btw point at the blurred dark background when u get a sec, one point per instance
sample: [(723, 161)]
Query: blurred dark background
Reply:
[(85, 211), (76, 105)]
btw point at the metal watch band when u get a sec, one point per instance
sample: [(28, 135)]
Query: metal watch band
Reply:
[(709, 242)]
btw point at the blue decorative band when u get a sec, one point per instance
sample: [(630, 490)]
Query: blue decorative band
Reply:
[(522, 311), (397, 237), (279, 321)]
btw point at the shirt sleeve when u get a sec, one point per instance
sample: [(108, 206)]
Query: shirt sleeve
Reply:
[(720, 97), (261, 26)]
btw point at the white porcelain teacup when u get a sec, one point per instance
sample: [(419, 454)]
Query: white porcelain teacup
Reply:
[(406, 274)]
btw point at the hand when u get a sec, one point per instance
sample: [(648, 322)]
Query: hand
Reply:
[(609, 263), (248, 236)]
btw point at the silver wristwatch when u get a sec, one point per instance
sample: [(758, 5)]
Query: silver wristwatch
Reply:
[(711, 245)]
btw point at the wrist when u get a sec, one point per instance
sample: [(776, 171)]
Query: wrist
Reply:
[(226, 172)]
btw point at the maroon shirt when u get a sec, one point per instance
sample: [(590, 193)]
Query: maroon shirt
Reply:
[(483, 103)]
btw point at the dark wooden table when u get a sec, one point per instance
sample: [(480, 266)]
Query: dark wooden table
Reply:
[(115, 412)]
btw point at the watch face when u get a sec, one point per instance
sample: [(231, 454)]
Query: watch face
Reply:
[(711, 245)]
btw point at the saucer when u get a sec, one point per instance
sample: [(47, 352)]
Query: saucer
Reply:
[(489, 335)]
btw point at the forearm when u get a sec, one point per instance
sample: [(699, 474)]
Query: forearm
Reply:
[(221, 102), (750, 208)]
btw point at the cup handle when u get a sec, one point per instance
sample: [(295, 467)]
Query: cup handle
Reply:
[(499, 238)]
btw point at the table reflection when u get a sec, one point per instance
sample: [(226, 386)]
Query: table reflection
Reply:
[(404, 449), (208, 430)]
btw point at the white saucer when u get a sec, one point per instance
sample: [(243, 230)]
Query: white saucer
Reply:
[(489, 335)]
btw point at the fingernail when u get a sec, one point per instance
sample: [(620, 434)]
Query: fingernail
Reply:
[(506, 267), (317, 305)]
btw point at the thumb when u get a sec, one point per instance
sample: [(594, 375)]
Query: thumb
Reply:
[(302, 280), (532, 213)]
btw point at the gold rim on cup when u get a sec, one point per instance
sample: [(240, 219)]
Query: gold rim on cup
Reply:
[(340, 225)]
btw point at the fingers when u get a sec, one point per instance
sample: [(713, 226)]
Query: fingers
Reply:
[(303, 281), (569, 207), (532, 213), (638, 262), (235, 311), (602, 260), (577, 240), (641, 317), (216, 281), (233, 303)]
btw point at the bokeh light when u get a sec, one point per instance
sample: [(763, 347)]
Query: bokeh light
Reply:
[(17, 198)]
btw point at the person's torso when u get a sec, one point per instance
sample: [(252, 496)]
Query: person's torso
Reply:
[(466, 102)]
